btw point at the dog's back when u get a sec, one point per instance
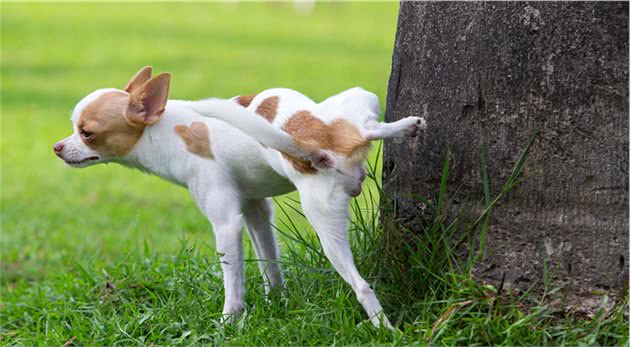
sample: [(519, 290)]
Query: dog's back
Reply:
[(334, 125), (278, 105)]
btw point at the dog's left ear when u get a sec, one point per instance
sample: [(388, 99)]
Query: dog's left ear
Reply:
[(138, 79), (147, 102)]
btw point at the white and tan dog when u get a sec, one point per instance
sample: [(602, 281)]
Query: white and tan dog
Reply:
[(234, 154)]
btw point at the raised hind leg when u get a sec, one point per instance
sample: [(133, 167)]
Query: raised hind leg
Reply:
[(409, 126)]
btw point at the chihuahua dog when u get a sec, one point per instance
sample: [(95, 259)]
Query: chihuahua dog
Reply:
[(234, 154)]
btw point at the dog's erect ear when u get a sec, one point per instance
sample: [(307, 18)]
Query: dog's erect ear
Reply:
[(147, 102), (138, 79)]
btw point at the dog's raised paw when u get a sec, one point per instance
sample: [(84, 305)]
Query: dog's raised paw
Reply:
[(414, 126)]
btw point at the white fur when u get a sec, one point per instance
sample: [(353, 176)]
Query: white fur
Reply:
[(234, 187)]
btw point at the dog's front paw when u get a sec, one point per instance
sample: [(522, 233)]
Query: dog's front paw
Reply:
[(231, 313), (413, 126)]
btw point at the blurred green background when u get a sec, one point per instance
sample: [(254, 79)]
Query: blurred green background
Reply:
[(54, 54)]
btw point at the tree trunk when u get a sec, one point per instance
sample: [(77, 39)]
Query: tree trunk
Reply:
[(492, 74)]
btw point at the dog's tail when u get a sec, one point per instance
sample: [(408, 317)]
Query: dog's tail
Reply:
[(255, 126)]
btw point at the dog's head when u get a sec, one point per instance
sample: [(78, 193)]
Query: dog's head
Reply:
[(107, 123)]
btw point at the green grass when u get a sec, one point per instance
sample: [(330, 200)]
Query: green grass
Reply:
[(111, 256)]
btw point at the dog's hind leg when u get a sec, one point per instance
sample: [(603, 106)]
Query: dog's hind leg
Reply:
[(327, 211), (258, 218), (409, 126)]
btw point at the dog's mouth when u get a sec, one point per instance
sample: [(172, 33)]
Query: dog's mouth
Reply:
[(82, 161)]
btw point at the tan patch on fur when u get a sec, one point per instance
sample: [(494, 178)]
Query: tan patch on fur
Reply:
[(197, 139), (245, 100), (105, 118), (302, 166), (268, 108), (340, 136)]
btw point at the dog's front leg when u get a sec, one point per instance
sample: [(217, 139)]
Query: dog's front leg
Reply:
[(258, 218), (222, 207), (229, 243)]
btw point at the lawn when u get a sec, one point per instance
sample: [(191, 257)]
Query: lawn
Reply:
[(107, 255)]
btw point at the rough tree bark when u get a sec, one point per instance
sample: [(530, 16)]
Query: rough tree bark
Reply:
[(490, 74)]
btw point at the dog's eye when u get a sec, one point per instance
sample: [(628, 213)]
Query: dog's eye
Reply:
[(86, 134)]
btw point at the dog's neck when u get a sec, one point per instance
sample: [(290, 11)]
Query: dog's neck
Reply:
[(158, 151)]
